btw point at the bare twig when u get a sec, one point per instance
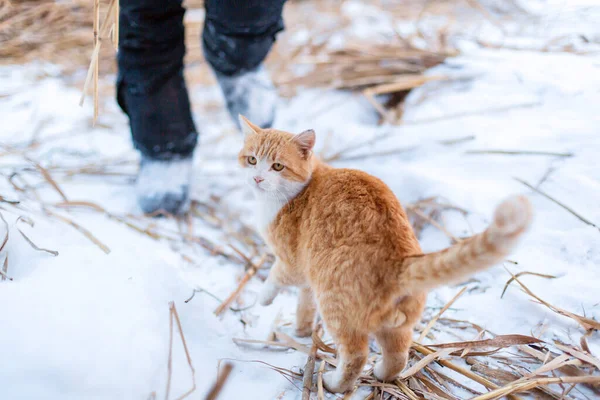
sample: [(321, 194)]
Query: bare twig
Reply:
[(439, 314), (222, 377), (81, 229), (249, 274), (49, 179), (521, 274), (320, 392), (519, 152), (53, 252), (526, 385), (586, 323), (421, 214), (174, 316), (95, 53), (309, 369), (488, 384), (5, 240), (5, 270)]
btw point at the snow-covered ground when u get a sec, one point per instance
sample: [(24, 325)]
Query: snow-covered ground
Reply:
[(86, 324)]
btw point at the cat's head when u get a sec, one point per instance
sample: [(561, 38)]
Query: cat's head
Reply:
[(277, 164)]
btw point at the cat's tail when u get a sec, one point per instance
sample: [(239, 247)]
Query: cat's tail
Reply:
[(511, 219)]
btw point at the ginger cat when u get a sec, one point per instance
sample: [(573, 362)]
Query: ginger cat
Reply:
[(344, 239)]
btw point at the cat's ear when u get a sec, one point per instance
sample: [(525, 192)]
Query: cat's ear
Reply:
[(305, 141), (248, 128)]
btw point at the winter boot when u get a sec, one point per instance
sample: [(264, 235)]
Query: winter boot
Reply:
[(164, 185), (250, 94)]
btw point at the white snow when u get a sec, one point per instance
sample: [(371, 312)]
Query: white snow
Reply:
[(86, 324)]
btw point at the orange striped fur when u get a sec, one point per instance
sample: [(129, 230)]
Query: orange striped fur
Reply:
[(342, 237)]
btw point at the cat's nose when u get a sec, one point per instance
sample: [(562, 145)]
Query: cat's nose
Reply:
[(258, 179)]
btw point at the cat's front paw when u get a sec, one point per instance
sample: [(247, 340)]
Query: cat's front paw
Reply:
[(267, 294), (334, 384), (304, 331)]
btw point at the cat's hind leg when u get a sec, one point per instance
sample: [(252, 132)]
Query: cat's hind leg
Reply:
[(352, 349), (395, 344), (352, 342)]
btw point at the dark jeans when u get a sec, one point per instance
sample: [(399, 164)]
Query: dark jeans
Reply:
[(151, 90)]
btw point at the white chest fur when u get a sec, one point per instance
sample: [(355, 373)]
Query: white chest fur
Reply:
[(267, 210)]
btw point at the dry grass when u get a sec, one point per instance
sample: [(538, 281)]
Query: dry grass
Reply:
[(427, 376)]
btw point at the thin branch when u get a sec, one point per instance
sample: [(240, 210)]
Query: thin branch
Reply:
[(221, 379), (519, 152), (439, 314), (309, 369), (81, 229), (249, 274), (174, 316)]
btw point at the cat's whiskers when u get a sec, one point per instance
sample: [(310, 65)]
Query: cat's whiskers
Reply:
[(286, 201)]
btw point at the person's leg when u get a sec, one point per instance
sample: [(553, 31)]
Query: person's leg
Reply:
[(151, 90), (237, 37)]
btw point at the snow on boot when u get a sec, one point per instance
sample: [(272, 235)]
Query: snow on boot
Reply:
[(164, 185), (250, 94)]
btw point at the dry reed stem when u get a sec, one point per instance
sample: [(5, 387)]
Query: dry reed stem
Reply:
[(482, 381), (534, 383), (116, 25), (378, 107), (546, 357), (249, 274), (500, 341), (556, 363), (432, 222), (222, 377), (434, 391), (468, 349), (425, 361), (309, 369), (100, 209), (586, 323), (499, 376), (587, 358), (320, 391), (49, 179), (94, 59), (81, 229), (321, 345), (374, 154), (35, 247), (406, 390), (170, 358), (521, 274), (5, 240), (519, 152), (5, 270), (96, 38), (439, 314), (174, 316), (577, 215)]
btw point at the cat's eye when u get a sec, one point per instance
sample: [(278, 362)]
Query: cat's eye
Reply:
[(252, 160), (277, 167)]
